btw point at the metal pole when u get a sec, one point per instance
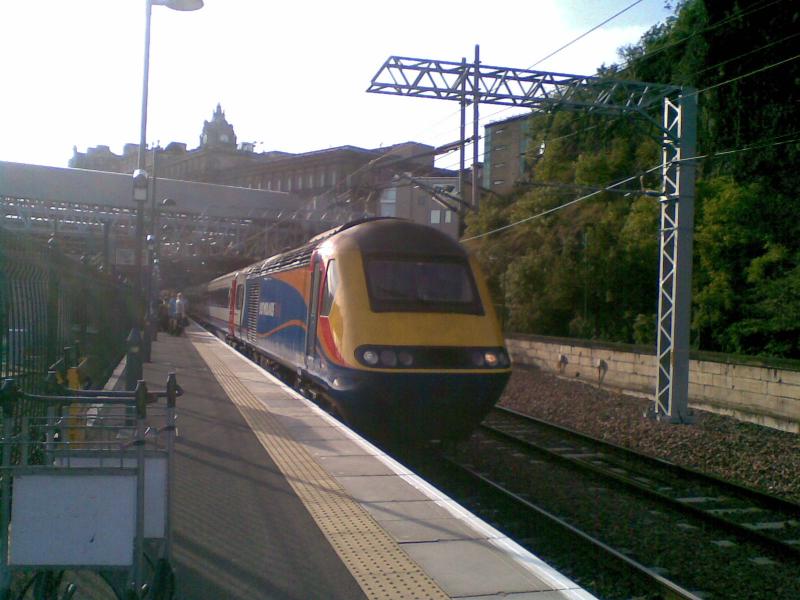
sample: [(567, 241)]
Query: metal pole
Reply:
[(143, 143), (106, 249), (141, 415), (145, 81), (675, 274), (8, 396), (463, 128), (53, 292), (172, 394), (475, 112)]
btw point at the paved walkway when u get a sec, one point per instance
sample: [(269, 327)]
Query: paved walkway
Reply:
[(239, 530)]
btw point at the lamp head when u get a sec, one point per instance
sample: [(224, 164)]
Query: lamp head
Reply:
[(183, 5), (140, 185)]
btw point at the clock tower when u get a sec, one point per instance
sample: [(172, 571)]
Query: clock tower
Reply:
[(218, 133)]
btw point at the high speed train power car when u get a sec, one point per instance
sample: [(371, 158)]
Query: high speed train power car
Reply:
[(386, 322)]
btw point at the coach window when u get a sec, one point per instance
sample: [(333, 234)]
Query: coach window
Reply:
[(329, 291)]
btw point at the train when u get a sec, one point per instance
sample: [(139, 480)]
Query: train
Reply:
[(386, 323)]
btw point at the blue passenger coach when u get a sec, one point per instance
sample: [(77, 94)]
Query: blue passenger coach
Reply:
[(386, 322)]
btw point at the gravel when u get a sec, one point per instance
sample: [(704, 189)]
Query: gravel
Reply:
[(760, 457)]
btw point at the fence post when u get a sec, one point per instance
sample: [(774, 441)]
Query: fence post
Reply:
[(141, 416), (147, 342), (133, 361), (52, 302), (8, 397), (172, 395)]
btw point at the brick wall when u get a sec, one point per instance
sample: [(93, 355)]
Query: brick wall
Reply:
[(749, 389)]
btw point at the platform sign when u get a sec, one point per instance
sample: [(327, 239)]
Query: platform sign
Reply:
[(71, 519)]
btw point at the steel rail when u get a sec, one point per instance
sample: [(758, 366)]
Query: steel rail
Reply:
[(755, 536), (668, 588), (774, 502)]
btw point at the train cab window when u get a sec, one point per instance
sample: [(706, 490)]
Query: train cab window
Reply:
[(239, 297), (329, 289), (411, 285), (218, 297)]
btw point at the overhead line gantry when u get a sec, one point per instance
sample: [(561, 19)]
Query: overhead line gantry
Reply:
[(543, 91)]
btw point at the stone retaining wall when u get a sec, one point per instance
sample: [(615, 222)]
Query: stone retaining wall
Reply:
[(754, 390)]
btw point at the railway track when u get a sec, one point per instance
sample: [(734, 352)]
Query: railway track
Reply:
[(689, 535), (769, 520), (660, 586)]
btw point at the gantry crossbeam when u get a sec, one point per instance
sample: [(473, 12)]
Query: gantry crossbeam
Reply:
[(524, 88), (546, 91)]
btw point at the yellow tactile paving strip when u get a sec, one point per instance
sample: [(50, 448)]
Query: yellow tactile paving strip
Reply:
[(374, 559)]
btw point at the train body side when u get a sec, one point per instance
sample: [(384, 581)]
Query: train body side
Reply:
[(276, 313), (327, 317)]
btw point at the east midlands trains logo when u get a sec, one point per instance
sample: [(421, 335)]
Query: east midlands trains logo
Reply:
[(269, 309)]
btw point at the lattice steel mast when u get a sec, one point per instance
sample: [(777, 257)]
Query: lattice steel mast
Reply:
[(543, 90)]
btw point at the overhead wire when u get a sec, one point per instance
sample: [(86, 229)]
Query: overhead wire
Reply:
[(662, 49), (711, 27), (628, 179), (584, 34), (754, 72), (553, 53)]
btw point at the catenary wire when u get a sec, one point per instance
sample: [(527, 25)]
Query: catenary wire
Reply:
[(593, 29), (585, 33), (657, 51), (623, 181), (754, 72)]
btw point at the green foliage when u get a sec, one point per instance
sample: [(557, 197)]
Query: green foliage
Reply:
[(591, 269)]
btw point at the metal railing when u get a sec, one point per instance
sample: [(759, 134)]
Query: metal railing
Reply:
[(49, 301), (87, 487)]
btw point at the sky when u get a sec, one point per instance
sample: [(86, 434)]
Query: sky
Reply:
[(290, 75)]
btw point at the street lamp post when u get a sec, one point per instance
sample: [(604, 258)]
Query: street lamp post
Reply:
[(154, 253), (140, 177), (140, 193)]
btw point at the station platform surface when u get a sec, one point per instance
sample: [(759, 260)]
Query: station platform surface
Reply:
[(273, 498)]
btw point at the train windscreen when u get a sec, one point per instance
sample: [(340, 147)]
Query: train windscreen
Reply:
[(413, 285)]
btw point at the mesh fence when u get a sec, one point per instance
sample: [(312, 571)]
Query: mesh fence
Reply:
[(50, 301)]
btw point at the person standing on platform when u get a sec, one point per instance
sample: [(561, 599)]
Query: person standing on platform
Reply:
[(173, 314), (181, 306)]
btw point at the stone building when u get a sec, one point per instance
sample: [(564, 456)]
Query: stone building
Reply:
[(505, 146), (345, 175)]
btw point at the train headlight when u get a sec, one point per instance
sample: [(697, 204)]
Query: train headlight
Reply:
[(491, 359), (370, 357), (405, 359), (388, 358)]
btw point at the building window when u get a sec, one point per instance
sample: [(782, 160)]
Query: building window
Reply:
[(289, 183), (436, 216), (321, 179), (388, 203), (310, 180), (448, 216), (333, 177), (498, 182), (499, 148), (499, 165), (299, 182), (498, 131)]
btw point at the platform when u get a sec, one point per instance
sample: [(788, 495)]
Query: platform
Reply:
[(275, 499)]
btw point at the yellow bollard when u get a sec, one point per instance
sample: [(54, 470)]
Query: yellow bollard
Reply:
[(76, 421)]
